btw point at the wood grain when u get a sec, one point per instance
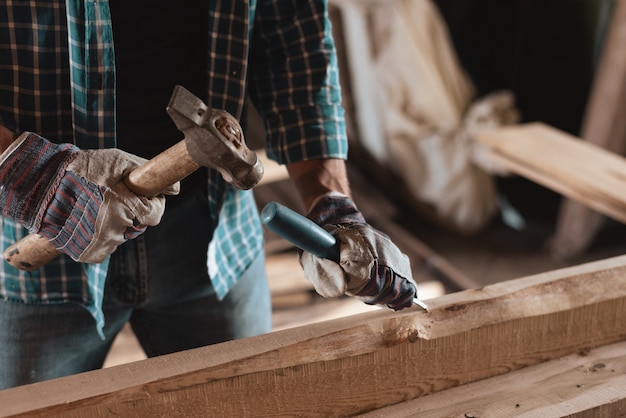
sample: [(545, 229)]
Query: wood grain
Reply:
[(359, 363), (585, 384)]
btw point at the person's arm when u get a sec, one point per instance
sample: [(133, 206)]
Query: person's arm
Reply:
[(370, 265), (314, 178), (299, 99)]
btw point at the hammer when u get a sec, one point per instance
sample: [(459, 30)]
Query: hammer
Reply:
[(213, 138)]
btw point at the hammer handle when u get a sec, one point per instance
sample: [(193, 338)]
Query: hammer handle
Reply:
[(149, 179), (160, 172)]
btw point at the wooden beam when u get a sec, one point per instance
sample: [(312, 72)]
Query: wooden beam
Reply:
[(359, 363), (577, 169), (603, 125)]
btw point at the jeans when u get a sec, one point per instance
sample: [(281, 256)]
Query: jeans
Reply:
[(163, 291)]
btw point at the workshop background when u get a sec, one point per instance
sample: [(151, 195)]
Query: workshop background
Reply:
[(546, 55)]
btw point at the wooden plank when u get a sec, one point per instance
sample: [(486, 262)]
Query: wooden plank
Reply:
[(285, 275), (585, 384), (359, 363), (603, 125), (577, 169)]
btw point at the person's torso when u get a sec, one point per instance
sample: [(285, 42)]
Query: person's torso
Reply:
[(158, 44)]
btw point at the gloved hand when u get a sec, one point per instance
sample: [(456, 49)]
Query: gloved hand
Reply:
[(371, 267), (75, 199)]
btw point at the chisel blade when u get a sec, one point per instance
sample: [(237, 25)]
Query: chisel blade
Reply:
[(421, 304)]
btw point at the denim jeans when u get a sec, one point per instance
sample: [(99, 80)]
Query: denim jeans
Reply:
[(157, 282)]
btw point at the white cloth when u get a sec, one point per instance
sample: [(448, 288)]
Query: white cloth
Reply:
[(431, 117)]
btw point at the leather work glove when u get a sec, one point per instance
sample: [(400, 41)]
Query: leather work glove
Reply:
[(371, 267), (75, 199)]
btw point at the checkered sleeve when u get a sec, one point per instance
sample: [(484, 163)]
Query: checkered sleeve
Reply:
[(295, 81)]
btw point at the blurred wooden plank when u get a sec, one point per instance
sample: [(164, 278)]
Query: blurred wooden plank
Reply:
[(577, 169), (272, 171), (359, 363), (288, 287), (604, 125), (285, 274)]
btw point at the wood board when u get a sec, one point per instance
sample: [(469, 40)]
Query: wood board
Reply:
[(585, 384), (603, 125), (554, 159), (359, 363)]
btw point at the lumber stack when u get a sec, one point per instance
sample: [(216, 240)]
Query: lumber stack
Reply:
[(367, 362)]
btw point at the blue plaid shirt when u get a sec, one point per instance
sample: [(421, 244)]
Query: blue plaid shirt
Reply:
[(57, 78)]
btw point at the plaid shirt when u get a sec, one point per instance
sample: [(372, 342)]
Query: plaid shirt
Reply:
[(57, 78)]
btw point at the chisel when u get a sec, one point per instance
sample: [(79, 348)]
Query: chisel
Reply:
[(304, 234)]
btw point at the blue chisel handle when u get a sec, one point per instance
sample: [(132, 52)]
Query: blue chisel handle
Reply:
[(300, 231)]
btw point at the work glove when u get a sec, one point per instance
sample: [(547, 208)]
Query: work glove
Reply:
[(370, 266), (75, 199)]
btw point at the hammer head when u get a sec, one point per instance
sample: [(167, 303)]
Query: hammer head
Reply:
[(214, 139)]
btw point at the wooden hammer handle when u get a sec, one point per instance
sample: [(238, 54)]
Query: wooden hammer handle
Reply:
[(160, 172), (149, 179)]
